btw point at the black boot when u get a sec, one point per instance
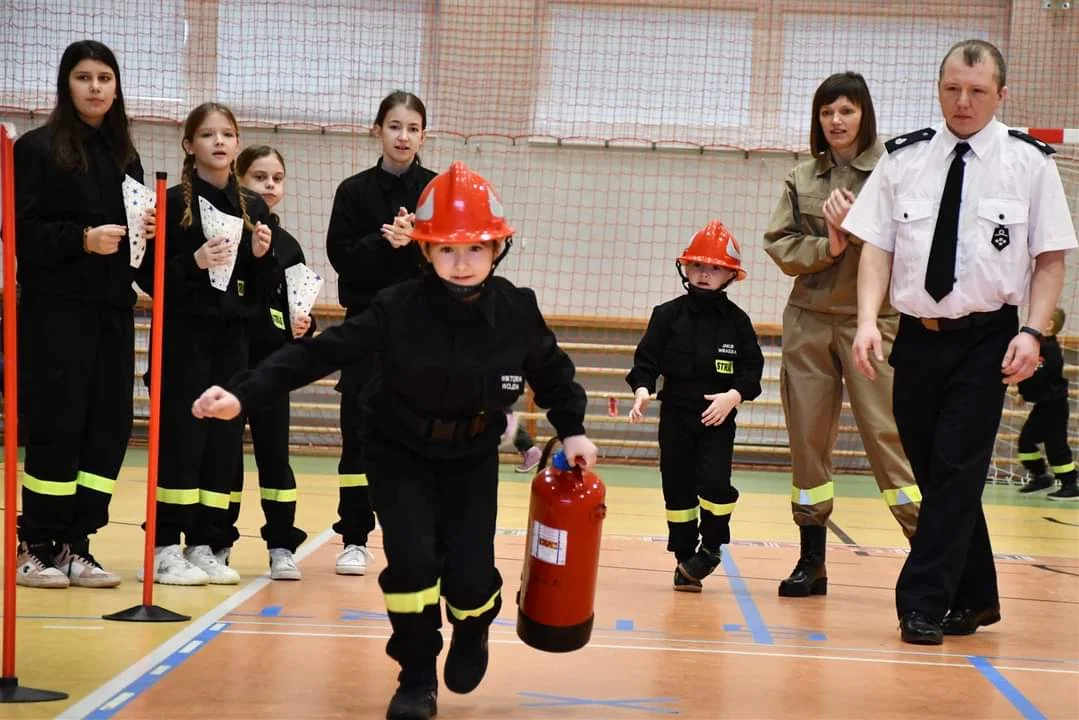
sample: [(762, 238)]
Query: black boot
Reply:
[(466, 662), (809, 576), (688, 574), (416, 697), (1040, 481)]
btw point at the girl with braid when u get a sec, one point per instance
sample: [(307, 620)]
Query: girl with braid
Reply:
[(205, 341)]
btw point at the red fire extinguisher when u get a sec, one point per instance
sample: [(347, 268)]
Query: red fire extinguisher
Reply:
[(558, 582)]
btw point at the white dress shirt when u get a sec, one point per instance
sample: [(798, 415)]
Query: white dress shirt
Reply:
[(1013, 209)]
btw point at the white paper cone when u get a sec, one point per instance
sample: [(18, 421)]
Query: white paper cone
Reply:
[(137, 200), (218, 224), (304, 285)]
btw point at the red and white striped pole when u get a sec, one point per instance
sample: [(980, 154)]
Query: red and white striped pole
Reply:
[(10, 690), (1053, 136)]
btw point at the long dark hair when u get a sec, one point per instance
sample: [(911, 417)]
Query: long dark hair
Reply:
[(852, 86), (68, 152)]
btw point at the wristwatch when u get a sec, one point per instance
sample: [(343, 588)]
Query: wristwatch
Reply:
[(1032, 331)]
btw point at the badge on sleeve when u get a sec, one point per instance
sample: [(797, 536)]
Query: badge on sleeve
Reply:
[(1001, 238)]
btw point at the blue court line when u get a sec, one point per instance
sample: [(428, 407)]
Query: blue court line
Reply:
[(147, 680), (270, 611), (1015, 697), (754, 621), (625, 625), (642, 704)]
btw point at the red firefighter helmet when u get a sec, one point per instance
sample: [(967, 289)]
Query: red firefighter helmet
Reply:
[(714, 245), (459, 207)]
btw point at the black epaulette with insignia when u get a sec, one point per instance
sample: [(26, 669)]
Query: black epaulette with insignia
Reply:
[(1043, 146), (902, 141)]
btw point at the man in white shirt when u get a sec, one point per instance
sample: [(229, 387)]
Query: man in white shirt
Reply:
[(952, 218)]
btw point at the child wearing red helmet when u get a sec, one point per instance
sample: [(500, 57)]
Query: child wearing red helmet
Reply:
[(454, 348), (706, 350)]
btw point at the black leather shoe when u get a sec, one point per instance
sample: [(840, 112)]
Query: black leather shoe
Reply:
[(965, 622), (466, 662), (917, 629), (413, 704)]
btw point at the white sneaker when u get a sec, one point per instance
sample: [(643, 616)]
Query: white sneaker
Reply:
[(223, 555), (283, 565), (203, 558), (83, 570), (34, 567), (353, 560), (171, 568)]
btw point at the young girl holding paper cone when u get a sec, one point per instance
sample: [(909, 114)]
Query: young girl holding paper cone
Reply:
[(261, 169), (207, 315), (76, 331)]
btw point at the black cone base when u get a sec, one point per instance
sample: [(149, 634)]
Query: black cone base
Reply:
[(147, 613), (12, 692)]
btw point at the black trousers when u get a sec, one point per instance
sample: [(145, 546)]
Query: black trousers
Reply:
[(277, 483), (948, 398), (199, 458), (695, 465), (355, 518), (77, 368), (1047, 423), (438, 527)]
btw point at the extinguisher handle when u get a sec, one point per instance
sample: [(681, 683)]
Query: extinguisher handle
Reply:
[(572, 466)]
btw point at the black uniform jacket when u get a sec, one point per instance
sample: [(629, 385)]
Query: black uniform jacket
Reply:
[(188, 291), (365, 262), (699, 347), (54, 207), (1048, 381), (439, 359), (271, 326)]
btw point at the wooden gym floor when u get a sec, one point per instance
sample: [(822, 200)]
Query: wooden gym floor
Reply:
[(314, 649)]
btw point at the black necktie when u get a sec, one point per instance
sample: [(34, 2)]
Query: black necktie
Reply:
[(940, 274)]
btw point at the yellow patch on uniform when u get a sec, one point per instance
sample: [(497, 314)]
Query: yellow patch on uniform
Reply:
[(278, 318), (240, 288), (725, 367)]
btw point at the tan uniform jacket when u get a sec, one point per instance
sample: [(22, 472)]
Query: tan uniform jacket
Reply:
[(797, 235)]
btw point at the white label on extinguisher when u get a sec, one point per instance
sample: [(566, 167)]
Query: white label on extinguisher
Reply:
[(548, 544)]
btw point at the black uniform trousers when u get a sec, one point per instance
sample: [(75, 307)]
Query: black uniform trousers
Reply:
[(355, 518), (438, 528), (277, 483), (948, 397), (77, 369), (695, 465), (198, 458), (1048, 423)]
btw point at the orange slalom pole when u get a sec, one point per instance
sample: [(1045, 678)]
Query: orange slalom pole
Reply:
[(147, 611), (10, 690)]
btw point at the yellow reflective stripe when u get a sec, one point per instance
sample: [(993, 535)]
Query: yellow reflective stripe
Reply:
[(236, 496), (717, 508), (902, 496), (1060, 469), (48, 487), (189, 496), (213, 499), (812, 496), (1036, 455), (465, 614), (275, 495), (95, 482), (354, 480), (677, 516), (413, 603)]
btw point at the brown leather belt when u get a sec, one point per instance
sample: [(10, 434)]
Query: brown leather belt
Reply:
[(967, 321)]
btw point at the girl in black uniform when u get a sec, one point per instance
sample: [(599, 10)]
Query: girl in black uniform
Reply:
[(706, 350), (76, 328), (453, 349), (368, 245), (261, 170), (205, 341)]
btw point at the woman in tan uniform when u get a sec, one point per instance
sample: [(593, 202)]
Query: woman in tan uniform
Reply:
[(805, 240)]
